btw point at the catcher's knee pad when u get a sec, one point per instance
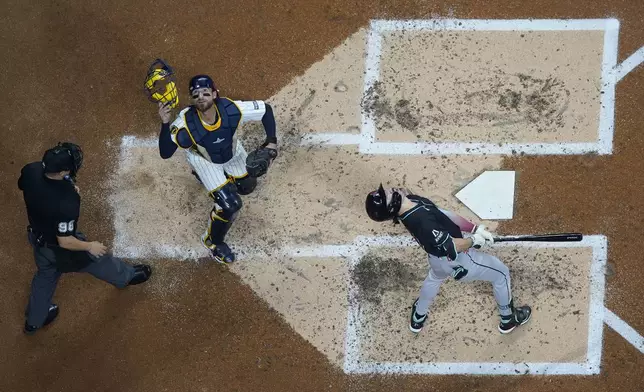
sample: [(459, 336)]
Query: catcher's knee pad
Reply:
[(228, 200), (246, 185)]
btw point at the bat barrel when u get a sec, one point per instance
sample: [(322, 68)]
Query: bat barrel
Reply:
[(554, 237)]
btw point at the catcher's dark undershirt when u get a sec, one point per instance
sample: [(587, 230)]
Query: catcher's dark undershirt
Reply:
[(167, 147)]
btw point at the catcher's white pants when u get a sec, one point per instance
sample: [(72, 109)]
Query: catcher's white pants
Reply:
[(479, 266), (215, 175)]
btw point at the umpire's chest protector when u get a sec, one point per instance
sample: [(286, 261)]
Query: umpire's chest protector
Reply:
[(215, 141)]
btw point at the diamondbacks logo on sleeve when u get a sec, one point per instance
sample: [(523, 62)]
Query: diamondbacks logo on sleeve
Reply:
[(440, 236)]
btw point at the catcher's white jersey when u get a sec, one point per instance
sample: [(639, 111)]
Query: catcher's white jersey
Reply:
[(215, 175)]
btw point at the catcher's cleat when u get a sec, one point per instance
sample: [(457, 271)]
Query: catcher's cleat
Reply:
[(520, 316), (220, 252)]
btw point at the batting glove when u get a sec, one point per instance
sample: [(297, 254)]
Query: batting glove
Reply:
[(482, 230), (478, 240), (459, 272)]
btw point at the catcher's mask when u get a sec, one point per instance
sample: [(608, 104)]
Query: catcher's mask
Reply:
[(64, 157), (160, 84), (377, 207)]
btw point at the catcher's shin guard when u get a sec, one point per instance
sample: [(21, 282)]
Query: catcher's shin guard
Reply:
[(224, 212), (219, 226)]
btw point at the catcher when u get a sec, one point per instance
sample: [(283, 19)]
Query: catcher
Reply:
[(206, 130)]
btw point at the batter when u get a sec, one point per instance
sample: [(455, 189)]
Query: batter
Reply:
[(440, 234)]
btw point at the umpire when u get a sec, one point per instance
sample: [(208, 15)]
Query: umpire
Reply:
[(53, 209)]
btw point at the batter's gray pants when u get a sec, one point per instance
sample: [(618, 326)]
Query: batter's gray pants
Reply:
[(480, 266), (108, 268)]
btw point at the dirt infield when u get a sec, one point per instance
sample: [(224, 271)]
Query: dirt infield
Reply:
[(74, 70)]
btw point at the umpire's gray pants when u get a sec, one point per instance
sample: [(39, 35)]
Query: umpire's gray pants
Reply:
[(480, 266), (108, 268)]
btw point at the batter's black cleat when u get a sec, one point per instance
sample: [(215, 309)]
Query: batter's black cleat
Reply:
[(51, 316), (520, 316), (416, 321), (142, 273)]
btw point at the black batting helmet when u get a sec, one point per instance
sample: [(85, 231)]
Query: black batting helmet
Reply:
[(377, 207)]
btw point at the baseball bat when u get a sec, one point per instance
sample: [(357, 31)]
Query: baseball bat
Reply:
[(554, 237)]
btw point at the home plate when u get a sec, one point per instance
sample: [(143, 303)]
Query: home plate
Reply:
[(490, 195)]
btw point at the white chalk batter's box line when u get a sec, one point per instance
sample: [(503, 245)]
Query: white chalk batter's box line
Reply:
[(366, 140), (353, 364)]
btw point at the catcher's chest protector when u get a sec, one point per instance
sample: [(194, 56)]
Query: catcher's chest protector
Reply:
[(217, 143)]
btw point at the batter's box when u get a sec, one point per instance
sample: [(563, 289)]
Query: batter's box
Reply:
[(489, 87), (564, 283)]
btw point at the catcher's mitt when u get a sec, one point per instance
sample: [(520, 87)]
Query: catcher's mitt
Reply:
[(258, 161)]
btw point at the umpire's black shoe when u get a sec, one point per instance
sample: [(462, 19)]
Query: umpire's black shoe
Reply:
[(223, 254), (51, 316), (520, 316), (142, 273)]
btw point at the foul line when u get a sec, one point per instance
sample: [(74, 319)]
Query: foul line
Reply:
[(629, 64), (624, 329)]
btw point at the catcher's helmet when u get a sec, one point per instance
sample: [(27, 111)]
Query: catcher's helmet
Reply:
[(160, 83), (64, 157), (377, 207), (201, 81)]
